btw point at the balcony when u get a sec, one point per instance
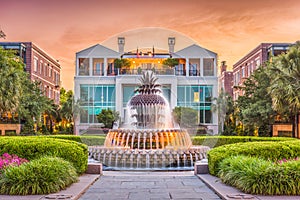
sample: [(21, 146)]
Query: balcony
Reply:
[(138, 71)]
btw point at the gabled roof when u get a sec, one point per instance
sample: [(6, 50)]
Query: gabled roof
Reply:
[(97, 50), (195, 51)]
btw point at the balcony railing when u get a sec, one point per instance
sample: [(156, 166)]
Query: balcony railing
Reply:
[(167, 71)]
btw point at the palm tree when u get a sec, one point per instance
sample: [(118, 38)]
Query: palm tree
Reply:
[(285, 84)]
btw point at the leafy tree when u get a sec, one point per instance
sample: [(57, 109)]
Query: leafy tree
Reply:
[(108, 117), (172, 62), (225, 108), (255, 106), (33, 105), (185, 116), (119, 63), (67, 110), (285, 83), (12, 77)]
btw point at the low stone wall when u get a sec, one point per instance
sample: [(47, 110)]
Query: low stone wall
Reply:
[(10, 127)]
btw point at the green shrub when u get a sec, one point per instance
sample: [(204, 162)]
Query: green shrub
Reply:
[(257, 176), (88, 140), (265, 150), (215, 141), (41, 176), (32, 147)]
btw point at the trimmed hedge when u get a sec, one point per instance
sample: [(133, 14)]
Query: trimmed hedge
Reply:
[(88, 140), (215, 141), (257, 176), (33, 147), (266, 150), (41, 176)]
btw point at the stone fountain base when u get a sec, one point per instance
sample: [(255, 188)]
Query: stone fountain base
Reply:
[(148, 159)]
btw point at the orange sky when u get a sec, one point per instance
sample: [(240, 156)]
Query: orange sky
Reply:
[(230, 28)]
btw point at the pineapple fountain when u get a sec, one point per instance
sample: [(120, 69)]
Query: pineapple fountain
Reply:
[(152, 142)]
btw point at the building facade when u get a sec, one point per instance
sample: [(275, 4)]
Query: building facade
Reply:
[(225, 79), (249, 63), (99, 85), (40, 66)]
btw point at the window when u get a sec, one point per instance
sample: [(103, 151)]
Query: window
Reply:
[(35, 64), (45, 69), (198, 97), (243, 72), (95, 98), (84, 64), (50, 71), (208, 67)]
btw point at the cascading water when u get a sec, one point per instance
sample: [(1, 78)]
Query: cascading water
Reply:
[(151, 142)]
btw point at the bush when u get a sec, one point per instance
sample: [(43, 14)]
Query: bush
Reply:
[(33, 147), (88, 140), (257, 176), (42, 176), (215, 141), (266, 150)]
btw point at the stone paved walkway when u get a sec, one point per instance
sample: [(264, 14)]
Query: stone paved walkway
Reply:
[(148, 186)]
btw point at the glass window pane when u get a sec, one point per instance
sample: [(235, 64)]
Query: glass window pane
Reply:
[(208, 66), (84, 65), (83, 93)]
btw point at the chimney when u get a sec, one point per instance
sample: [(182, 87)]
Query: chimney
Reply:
[(171, 42), (121, 44), (223, 66)]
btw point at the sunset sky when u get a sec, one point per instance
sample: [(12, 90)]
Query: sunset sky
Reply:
[(230, 28)]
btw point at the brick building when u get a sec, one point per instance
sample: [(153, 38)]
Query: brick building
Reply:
[(40, 66), (225, 79), (257, 57)]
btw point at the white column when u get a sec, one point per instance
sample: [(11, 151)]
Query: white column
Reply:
[(119, 98), (173, 96), (201, 67), (215, 67), (187, 67), (105, 66), (91, 67)]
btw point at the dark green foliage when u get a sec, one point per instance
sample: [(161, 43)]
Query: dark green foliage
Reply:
[(266, 150), (185, 116), (215, 141), (172, 62), (33, 147), (41, 176), (258, 176), (255, 106), (107, 117), (88, 140), (119, 63)]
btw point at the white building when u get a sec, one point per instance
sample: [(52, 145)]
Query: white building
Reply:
[(192, 83)]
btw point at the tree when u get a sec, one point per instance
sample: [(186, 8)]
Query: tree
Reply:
[(12, 77), (255, 106), (185, 116), (224, 107), (108, 117), (33, 104), (285, 84), (171, 62)]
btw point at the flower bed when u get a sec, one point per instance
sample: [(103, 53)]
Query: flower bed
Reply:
[(7, 160)]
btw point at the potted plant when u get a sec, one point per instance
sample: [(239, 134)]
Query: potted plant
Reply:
[(120, 63)]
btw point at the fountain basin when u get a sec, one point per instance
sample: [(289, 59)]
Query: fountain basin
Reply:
[(155, 159)]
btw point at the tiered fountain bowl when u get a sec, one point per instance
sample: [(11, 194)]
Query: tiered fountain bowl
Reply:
[(152, 143)]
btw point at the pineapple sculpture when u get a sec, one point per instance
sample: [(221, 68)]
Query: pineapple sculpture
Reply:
[(148, 107)]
